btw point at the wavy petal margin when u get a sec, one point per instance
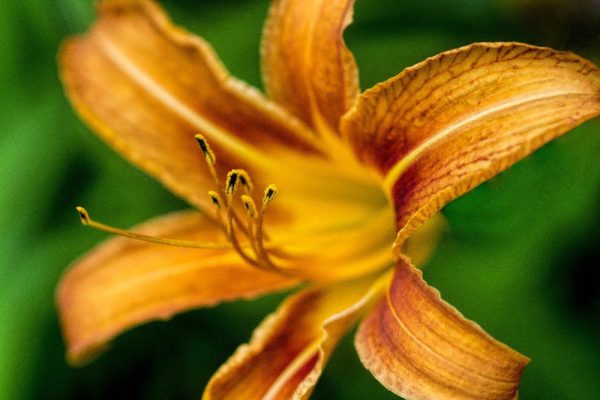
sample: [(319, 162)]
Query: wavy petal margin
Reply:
[(289, 350), (421, 348), (147, 87), (442, 127), (124, 283), (306, 65)]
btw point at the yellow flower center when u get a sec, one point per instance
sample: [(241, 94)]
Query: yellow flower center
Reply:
[(333, 212)]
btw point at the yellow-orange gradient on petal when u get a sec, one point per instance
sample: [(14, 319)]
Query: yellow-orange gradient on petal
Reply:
[(147, 87), (311, 186), (290, 348), (124, 283), (442, 127), (421, 348), (306, 65)]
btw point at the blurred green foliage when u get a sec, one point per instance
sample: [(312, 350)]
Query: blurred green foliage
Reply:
[(521, 257)]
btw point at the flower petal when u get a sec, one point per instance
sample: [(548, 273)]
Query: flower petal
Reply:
[(124, 283), (289, 349), (421, 348), (443, 126), (306, 65), (147, 87)]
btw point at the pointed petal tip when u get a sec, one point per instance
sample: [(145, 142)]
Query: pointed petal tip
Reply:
[(288, 351), (124, 283), (421, 348)]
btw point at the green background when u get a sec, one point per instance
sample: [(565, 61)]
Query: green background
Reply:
[(521, 257)]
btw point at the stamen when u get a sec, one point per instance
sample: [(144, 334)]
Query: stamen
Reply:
[(270, 193), (88, 221), (230, 187), (256, 226), (253, 230), (215, 199), (232, 177), (231, 184), (251, 213), (236, 176), (226, 216), (249, 206), (208, 153), (209, 156), (246, 181)]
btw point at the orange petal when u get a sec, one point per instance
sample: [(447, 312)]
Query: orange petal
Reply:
[(443, 126), (124, 283), (420, 347), (147, 87), (289, 349), (306, 65)]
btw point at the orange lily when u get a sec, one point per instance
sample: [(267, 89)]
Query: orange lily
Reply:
[(355, 173)]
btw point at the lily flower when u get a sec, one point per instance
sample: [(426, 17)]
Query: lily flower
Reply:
[(314, 185)]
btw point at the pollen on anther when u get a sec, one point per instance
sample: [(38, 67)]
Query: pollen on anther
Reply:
[(215, 198), (232, 180), (206, 150), (245, 180), (249, 205), (270, 193)]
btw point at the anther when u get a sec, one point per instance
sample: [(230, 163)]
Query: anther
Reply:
[(208, 153), (215, 198), (245, 181), (231, 182), (253, 229), (249, 206), (230, 188), (270, 193)]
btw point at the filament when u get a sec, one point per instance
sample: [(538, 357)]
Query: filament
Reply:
[(253, 251)]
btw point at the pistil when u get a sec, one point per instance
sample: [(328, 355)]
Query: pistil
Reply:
[(88, 221), (252, 250)]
